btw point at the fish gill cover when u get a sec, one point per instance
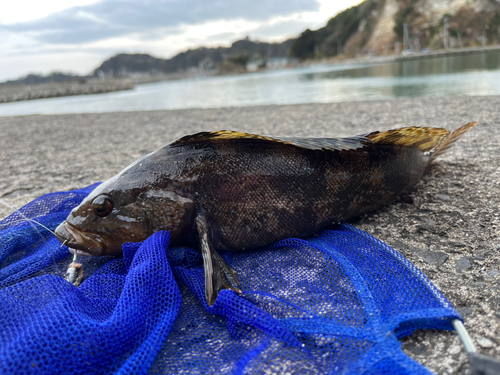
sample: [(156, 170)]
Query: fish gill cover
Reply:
[(336, 303)]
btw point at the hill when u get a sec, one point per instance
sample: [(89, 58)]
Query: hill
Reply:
[(378, 26), (35, 79), (204, 59)]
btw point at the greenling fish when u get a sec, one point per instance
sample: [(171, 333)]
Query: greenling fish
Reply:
[(235, 191)]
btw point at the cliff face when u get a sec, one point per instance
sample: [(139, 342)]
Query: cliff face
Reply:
[(469, 21), (343, 34), (377, 26), (436, 9)]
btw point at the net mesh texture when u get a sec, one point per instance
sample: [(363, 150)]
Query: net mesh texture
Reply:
[(335, 303)]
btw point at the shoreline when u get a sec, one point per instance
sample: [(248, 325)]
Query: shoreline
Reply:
[(448, 226), (384, 59)]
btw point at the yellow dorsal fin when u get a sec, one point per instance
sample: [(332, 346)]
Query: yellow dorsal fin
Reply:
[(331, 144), (424, 139), (428, 140), (434, 141)]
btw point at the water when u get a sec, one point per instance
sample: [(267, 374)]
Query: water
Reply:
[(446, 76)]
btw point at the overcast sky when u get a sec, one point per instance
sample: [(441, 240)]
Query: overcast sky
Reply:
[(77, 35)]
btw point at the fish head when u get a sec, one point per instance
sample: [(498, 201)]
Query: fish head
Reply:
[(115, 213)]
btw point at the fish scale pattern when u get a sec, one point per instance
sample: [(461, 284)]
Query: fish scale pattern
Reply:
[(335, 303)]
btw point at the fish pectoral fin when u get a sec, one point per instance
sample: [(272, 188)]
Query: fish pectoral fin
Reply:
[(218, 274)]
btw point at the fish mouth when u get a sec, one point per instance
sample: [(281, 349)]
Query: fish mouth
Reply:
[(79, 243)]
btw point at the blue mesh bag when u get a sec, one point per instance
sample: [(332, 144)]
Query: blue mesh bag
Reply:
[(335, 303)]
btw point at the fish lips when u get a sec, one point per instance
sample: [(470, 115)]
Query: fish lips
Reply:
[(79, 242)]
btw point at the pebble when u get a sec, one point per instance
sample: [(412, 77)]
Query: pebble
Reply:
[(462, 264), (483, 342), (479, 284), (464, 311), (427, 221), (443, 197), (492, 274), (430, 257)]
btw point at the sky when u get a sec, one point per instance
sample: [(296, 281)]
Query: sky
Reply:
[(78, 35)]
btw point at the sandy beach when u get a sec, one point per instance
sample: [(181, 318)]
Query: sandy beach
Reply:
[(449, 226)]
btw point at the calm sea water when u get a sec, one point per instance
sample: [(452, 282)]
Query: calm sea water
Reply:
[(458, 75)]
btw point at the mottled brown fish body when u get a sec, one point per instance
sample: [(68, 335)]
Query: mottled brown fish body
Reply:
[(236, 191), (256, 193)]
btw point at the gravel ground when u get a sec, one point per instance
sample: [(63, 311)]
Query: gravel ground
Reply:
[(448, 226)]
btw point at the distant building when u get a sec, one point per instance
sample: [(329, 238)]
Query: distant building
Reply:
[(256, 62), (281, 62)]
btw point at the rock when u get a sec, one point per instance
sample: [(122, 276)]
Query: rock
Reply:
[(464, 311), (430, 228), (462, 264), (430, 257), (483, 342), (419, 350), (427, 221), (443, 197), (458, 244), (492, 274)]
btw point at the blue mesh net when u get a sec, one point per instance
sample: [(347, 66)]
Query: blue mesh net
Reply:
[(336, 303)]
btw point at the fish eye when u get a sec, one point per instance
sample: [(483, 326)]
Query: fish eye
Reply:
[(102, 205)]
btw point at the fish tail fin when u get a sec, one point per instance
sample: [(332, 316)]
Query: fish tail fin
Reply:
[(450, 141)]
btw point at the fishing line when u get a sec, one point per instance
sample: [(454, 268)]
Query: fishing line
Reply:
[(31, 221), (34, 221)]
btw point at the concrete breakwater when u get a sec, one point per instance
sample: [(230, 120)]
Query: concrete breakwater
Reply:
[(14, 93)]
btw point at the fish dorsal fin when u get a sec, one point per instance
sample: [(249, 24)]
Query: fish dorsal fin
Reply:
[(330, 144), (425, 139)]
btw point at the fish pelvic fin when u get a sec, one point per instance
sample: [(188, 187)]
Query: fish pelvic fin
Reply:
[(453, 137)]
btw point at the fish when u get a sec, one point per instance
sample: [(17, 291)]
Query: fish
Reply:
[(234, 191)]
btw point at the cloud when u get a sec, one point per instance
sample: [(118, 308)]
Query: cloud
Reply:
[(110, 19), (290, 28)]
